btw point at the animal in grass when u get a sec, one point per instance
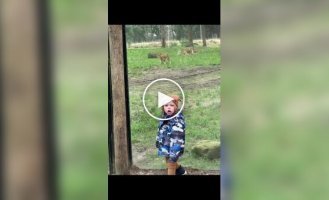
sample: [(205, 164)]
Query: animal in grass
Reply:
[(188, 51), (164, 58)]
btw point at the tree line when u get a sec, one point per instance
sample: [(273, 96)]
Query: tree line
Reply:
[(185, 33)]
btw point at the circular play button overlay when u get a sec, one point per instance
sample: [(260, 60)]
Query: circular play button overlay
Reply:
[(157, 94)]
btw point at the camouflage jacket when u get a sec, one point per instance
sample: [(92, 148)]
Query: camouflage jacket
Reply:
[(170, 139)]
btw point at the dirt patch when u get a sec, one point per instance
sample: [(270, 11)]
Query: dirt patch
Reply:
[(139, 154), (177, 74), (190, 171), (204, 84)]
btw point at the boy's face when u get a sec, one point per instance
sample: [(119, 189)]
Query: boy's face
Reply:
[(169, 108)]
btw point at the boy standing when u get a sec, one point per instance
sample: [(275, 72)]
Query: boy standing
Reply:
[(170, 139)]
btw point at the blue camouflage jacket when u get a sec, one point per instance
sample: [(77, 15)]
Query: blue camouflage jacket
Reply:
[(170, 139)]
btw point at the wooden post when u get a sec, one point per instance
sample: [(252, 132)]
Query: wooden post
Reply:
[(119, 117), (25, 174)]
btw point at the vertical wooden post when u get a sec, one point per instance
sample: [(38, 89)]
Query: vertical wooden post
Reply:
[(120, 133), (24, 138)]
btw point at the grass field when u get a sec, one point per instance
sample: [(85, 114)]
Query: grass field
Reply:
[(199, 76), (138, 61)]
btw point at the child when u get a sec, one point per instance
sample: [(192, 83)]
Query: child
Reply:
[(170, 139)]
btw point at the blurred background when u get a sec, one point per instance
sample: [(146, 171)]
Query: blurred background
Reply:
[(80, 69), (274, 97)]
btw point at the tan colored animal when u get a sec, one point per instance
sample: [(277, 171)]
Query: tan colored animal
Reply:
[(188, 51), (164, 58)]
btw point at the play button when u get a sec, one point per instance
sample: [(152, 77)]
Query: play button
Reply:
[(156, 94), (163, 99)]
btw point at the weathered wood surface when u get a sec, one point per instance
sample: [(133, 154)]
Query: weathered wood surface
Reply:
[(121, 152)]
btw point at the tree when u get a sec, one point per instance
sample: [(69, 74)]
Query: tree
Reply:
[(190, 36), (163, 36), (155, 31), (212, 31), (179, 31), (203, 35)]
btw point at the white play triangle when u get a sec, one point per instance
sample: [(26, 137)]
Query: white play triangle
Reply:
[(163, 99)]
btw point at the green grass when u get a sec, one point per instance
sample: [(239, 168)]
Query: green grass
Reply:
[(138, 61)]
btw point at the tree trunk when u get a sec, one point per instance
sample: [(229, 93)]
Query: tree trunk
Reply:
[(24, 147), (190, 36), (120, 134), (163, 36), (203, 35)]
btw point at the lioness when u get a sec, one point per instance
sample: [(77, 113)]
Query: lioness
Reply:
[(188, 51), (164, 58)]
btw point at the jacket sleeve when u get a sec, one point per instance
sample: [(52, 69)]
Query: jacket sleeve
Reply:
[(162, 129), (178, 131)]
